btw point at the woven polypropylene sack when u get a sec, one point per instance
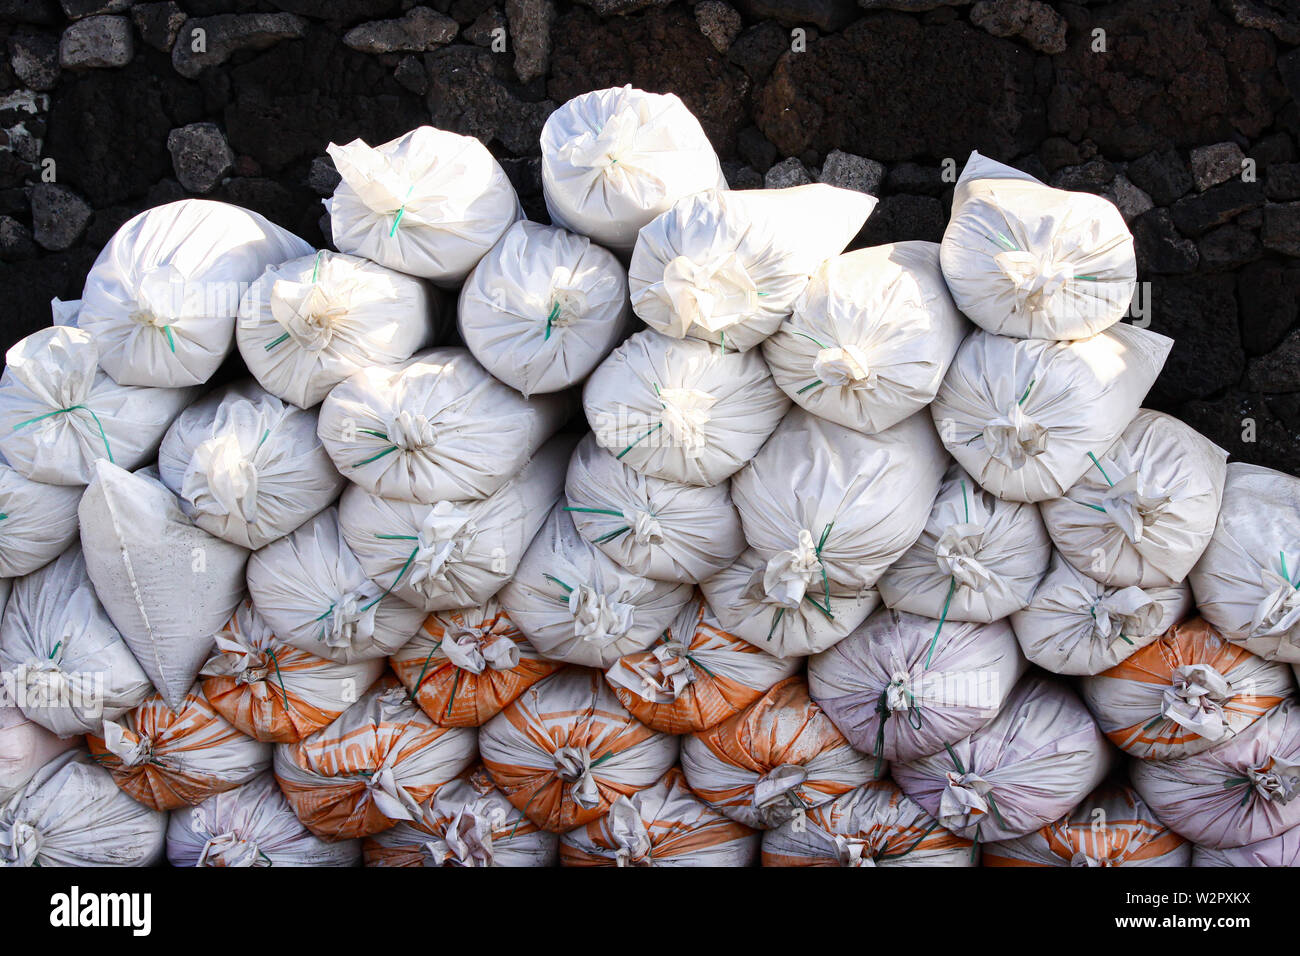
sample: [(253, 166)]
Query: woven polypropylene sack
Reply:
[(682, 409), (576, 605), (1144, 512), (566, 749), (543, 308), (247, 467), (40, 521), (662, 825), (870, 339), (429, 203), (660, 529), (162, 297), (1026, 260), (978, 559), (1281, 850), (726, 265), (901, 687), (1246, 582), (25, 747), (1022, 416), (438, 428), (614, 159)]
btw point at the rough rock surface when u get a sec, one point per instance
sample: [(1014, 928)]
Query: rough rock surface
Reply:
[(200, 155)]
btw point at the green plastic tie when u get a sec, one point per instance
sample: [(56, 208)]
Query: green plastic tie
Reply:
[(60, 411)]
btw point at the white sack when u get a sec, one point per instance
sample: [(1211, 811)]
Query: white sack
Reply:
[(39, 521), (1281, 850), (307, 324), (871, 337), (544, 307), (682, 409), (313, 592), (71, 668), (576, 605), (428, 203), (1029, 766), (1145, 510), (978, 559), (1022, 415), (59, 413), (162, 296), (614, 159), (727, 266), (654, 527), (453, 554), (1076, 625), (25, 747), (1247, 582), (252, 825), (901, 687), (439, 428), (72, 814), (167, 585), (247, 467), (1027, 260)]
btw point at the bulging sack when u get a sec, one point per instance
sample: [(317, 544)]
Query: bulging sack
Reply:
[(307, 324), (72, 814), (978, 559), (1032, 764), (1076, 625), (69, 667), (1242, 791), (770, 620), (247, 467), (654, 527), (467, 823), (252, 825), (1026, 260), (1023, 416), (1281, 850), (682, 409), (25, 747), (829, 508), (900, 687), (870, 339), (313, 593), (439, 428), (465, 665), (40, 521), (162, 296), (1186, 692), (576, 605), (429, 203), (727, 266), (1144, 512), (274, 691), (566, 749), (372, 767), (59, 413), (1113, 827), (662, 825), (777, 758), (875, 824), (1247, 582), (614, 159), (166, 584), (697, 676), (453, 554), (543, 308)]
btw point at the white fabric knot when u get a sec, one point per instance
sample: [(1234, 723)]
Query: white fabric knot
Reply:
[(351, 618), (229, 849), (391, 798), (307, 312), (713, 294), (465, 842), (20, 842), (221, 478), (787, 575), (409, 431), (605, 148), (1127, 612), (164, 295), (475, 649), (847, 366), (659, 679), (1014, 438), (1278, 781), (854, 851), (645, 526), (1133, 506), (898, 693), (1279, 611), (777, 789), (684, 414), (955, 553), (632, 843), (437, 545), (1195, 699), (598, 617), (573, 766), (963, 801), (1083, 859), (1036, 279), (132, 748)]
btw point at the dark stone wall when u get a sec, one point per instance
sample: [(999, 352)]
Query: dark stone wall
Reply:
[(1157, 111)]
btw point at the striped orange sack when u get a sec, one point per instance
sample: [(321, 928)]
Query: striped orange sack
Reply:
[(463, 666), (662, 825), (567, 749), (1112, 827), (468, 822), (874, 825), (169, 759), (778, 757), (1189, 691), (697, 676), (274, 691), (372, 767)]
